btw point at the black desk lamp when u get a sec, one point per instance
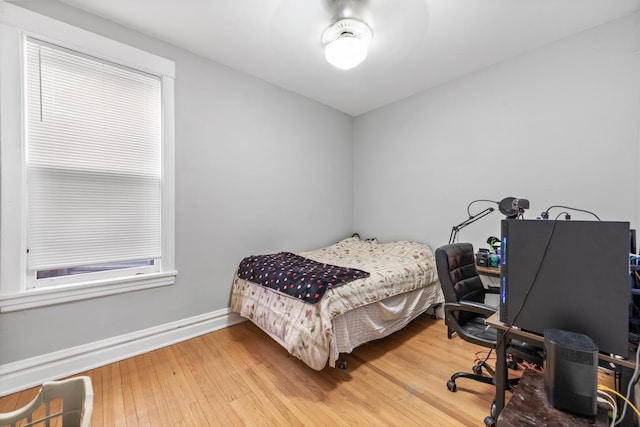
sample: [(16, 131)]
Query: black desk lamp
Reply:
[(510, 207), (456, 228)]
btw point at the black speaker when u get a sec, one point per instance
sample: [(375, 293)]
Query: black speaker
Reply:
[(571, 372)]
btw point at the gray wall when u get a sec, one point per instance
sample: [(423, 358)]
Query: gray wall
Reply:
[(258, 170), (558, 126)]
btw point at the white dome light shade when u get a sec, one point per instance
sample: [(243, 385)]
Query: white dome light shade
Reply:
[(346, 52), (346, 43)]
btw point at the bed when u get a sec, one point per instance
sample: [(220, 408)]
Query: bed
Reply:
[(387, 286)]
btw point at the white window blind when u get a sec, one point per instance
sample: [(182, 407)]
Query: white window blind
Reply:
[(93, 157)]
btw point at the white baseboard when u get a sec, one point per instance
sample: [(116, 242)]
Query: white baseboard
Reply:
[(23, 374)]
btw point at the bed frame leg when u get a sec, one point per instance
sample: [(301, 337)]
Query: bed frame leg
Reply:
[(433, 310), (341, 364), (438, 311)]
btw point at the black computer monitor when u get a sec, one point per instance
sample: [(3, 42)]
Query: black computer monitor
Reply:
[(568, 275), (632, 242)]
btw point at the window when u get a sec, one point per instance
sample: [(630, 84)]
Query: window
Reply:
[(93, 145), (88, 164)]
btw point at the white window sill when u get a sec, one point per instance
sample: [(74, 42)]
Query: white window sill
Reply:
[(61, 294)]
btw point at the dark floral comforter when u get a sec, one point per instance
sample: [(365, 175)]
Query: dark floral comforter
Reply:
[(297, 276)]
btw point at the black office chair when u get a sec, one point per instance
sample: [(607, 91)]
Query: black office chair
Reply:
[(465, 311)]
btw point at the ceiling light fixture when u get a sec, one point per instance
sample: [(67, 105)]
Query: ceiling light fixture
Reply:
[(346, 43)]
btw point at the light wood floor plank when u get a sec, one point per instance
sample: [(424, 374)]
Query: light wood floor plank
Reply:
[(185, 391), (128, 392), (96, 383), (9, 403), (113, 404)]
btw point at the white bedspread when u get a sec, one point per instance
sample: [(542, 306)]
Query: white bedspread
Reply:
[(306, 330)]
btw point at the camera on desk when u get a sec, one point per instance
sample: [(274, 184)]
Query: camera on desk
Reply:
[(482, 258)]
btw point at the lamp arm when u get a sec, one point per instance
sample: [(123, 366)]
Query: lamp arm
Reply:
[(456, 228)]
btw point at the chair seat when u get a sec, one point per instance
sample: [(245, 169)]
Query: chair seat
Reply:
[(519, 349), (477, 328)]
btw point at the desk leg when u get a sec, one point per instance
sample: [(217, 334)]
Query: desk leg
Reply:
[(625, 377), (501, 372)]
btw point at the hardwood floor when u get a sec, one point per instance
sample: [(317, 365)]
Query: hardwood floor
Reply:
[(238, 376)]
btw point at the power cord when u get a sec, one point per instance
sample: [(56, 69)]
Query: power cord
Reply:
[(634, 379), (535, 276), (479, 358), (522, 365), (611, 402), (545, 214), (626, 402), (478, 200)]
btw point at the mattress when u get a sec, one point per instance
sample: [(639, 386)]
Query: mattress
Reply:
[(402, 284)]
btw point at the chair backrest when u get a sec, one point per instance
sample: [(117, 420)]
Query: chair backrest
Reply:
[(458, 275), (75, 406)]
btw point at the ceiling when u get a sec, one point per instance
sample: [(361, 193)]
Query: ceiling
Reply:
[(416, 45)]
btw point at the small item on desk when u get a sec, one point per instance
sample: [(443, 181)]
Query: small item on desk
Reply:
[(482, 258), (494, 243), (494, 249), (494, 260)]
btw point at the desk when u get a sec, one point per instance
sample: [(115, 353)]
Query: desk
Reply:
[(501, 356), (489, 271)]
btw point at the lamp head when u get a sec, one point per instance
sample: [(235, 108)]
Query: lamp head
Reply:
[(512, 207)]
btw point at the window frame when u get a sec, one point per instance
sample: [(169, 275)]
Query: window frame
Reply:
[(16, 24)]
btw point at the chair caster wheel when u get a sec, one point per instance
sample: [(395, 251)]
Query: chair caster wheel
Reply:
[(489, 421), (451, 385), (342, 364), (477, 369)]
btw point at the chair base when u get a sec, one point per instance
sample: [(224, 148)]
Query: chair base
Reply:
[(451, 384), (477, 376)]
